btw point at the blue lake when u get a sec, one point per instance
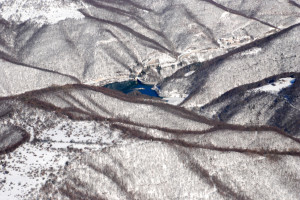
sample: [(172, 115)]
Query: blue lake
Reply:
[(131, 86)]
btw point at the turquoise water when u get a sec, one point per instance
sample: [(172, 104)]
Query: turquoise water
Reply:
[(130, 86)]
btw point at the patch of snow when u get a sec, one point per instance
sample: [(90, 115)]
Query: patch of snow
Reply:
[(233, 41), (100, 42), (41, 12), (173, 100), (277, 86), (166, 59), (80, 134), (194, 105), (252, 51), (224, 15), (155, 88), (27, 169), (66, 145), (24, 171), (192, 25), (189, 73), (163, 60), (173, 97)]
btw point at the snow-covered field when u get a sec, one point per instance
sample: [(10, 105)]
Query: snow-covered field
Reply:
[(45, 12), (80, 132), (173, 100), (25, 170), (276, 86)]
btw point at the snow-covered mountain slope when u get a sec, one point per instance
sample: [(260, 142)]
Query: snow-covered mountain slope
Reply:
[(229, 67), (213, 78), (83, 145), (97, 42), (275, 103), (53, 142), (156, 170), (40, 12)]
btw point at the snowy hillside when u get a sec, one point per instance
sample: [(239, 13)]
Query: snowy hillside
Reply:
[(221, 120)]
